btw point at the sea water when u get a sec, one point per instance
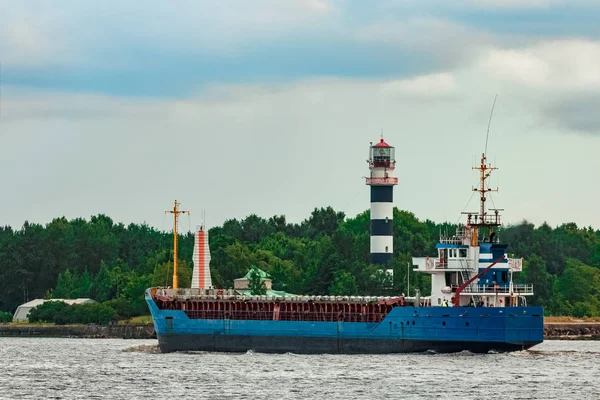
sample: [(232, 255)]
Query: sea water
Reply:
[(40, 368)]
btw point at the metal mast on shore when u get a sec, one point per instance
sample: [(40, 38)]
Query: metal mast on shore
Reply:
[(175, 211)]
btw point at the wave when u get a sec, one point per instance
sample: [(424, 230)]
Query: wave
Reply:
[(553, 353), (143, 348)]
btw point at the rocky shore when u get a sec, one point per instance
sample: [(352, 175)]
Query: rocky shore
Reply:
[(79, 331), (572, 330), (552, 331)]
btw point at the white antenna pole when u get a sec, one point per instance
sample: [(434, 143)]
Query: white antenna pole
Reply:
[(408, 277), (489, 123)]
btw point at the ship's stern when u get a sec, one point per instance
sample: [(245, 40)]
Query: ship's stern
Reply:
[(524, 326)]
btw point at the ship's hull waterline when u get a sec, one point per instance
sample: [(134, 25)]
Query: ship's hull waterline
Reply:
[(306, 345)]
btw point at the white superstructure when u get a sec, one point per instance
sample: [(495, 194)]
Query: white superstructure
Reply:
[(472, 266)]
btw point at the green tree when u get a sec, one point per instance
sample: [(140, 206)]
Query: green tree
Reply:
[(323, 221), (91, 313), (535, 272), (580, 286), (256, 283), (256, 228), (5, 317), (134, 290), (410, 235), (163, 274), (109, 261), (61, 313), (374, 281), (238, 257), (66, 286), (285, 276), (595, 257), (344, 284), (106, 282), (403, 275), (84, 285), (50, 311)]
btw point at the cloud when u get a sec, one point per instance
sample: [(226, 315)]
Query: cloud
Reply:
[(516, 3), (286, 128), (556, 81), (110, 34), (422, 33), (549, 78), (558, 64), (315, 5), (156, 48), (525, 4), (287, 147), (431, 86), (30, 40), (576, 113), (230, 142)]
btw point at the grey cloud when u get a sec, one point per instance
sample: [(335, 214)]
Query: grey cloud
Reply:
[(580, 113)]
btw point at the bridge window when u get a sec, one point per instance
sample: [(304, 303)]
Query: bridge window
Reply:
[(462, 253)]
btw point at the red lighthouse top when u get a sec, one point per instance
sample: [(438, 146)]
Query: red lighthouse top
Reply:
[(381, 155), (382, 164), (382, 143)]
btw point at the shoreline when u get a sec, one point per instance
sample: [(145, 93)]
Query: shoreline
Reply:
[(116, 331), (572, 330), (552, 331)]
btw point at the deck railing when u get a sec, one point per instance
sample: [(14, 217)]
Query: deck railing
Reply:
[(490, 289)]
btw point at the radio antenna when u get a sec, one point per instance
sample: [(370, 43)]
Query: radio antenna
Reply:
[(490, 123)]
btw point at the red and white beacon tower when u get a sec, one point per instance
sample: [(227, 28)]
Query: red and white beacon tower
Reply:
[(201, 274), (382, 164)]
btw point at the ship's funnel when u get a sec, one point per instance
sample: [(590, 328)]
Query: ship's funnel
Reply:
[(201, 275)]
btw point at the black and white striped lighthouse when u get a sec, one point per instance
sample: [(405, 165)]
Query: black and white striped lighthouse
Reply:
[(382, 164)]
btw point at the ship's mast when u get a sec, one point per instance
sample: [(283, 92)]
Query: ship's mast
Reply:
[(485, 171), (175, 211), (482, 219)]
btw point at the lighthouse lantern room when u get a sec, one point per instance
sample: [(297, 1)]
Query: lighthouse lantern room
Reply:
[(382, 163)]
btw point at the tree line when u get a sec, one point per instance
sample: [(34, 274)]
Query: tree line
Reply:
[(327, 253)]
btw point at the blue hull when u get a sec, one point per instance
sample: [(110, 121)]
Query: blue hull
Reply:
[(403, 330)]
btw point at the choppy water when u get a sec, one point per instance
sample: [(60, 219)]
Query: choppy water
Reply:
[(34, 368)]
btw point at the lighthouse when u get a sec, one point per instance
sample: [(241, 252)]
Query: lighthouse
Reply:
[(201, 274), (381, 165)]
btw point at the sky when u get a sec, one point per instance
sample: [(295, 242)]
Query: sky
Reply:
[(268, 107)]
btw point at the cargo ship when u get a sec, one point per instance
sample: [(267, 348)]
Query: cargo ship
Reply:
[(474, 304)]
